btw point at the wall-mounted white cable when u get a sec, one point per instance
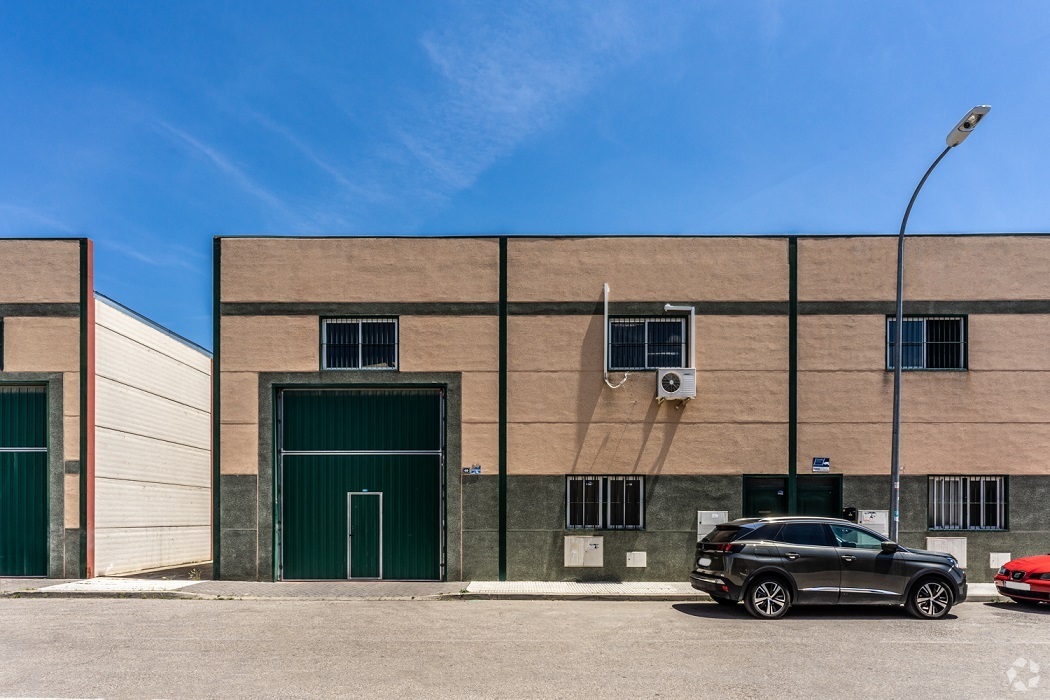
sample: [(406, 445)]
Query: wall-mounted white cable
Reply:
[(605, 335)]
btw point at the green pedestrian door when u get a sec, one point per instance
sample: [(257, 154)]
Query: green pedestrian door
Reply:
[(365, 538), (23, 481), (817, 495), (360, 484)]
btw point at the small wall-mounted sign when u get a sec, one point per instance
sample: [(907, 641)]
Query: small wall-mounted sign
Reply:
[(472, 469), (822, 465)]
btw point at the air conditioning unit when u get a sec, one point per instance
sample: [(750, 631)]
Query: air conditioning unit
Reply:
[(679, 384)]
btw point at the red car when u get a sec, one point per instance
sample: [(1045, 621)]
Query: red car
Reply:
[(1025, 580)]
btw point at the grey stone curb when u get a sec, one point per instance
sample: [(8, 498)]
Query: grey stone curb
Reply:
[(181, 595)]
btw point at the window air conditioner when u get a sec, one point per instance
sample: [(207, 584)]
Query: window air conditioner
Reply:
[(676, 384)]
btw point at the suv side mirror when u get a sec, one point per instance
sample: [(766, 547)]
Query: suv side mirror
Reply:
[(889, 546)]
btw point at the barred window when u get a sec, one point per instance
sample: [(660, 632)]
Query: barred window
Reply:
[(359, 343), (646, 343), (605, 502), (929, 342), (967, 503)]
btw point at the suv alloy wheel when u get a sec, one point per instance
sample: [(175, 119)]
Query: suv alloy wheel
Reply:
[(768, 598), (930, 599)]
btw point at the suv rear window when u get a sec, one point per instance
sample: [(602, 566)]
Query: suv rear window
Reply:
[(727, 534), (803, 533)]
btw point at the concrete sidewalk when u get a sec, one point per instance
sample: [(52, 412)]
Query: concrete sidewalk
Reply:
[(375, 590)]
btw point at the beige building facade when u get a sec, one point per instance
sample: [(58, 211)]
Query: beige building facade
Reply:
[(91, 397), (554, 458)]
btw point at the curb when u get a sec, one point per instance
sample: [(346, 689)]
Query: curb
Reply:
[(472, 597)]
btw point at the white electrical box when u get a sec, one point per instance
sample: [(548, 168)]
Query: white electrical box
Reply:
[(998, 559), (706, 520), (956, 546), (877, 520), (636, 560), (584, 552)]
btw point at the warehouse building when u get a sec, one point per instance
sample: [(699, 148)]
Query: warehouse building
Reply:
[(579, 408), (105, 425)]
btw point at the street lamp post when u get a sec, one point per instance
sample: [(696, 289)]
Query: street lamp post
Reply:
[(955, 137)]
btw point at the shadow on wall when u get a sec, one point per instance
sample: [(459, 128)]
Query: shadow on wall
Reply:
[(611, 443)]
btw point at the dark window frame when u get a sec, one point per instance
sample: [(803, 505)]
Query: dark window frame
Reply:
[(1, 343), (360, 321), (927, 347), (602, 503), (959, 517), (682, 347)]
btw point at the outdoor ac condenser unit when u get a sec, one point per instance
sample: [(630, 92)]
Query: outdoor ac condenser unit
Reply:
[(676, 384)]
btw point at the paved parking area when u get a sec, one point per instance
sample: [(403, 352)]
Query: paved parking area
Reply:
[(133, 648)]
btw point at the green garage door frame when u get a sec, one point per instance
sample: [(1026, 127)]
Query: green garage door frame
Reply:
[(334, 441), (24, 478)]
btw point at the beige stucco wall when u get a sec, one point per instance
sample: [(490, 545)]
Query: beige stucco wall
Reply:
[(49, 344), (995, 417), (564, 419), (41, 344), (360, 269), (937, 268), (645, 448), (647, 269), (38, 271)]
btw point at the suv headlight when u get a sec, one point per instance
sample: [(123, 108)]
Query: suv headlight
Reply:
[(953, 562)]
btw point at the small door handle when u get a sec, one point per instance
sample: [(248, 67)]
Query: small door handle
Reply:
[(847, 557), (791, 555)]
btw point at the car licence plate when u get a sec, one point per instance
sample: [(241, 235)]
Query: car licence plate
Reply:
[(1018, 586), (704, 561)]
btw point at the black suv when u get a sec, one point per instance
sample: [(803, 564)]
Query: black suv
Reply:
[(774, 563)]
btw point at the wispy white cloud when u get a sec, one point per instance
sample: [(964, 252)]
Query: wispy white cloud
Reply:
[(17, 219), (368, 191), (511, 74), (227, 166)]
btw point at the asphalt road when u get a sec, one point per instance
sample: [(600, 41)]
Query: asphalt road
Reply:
[(104, 648)]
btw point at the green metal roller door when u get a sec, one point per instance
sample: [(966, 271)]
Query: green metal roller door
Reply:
[(23, 481), (360, 484)]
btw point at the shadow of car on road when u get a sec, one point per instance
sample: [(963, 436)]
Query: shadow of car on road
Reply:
[(1021, 608), (714, 611)]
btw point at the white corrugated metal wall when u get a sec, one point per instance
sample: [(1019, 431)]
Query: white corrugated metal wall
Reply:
[(152, 446)]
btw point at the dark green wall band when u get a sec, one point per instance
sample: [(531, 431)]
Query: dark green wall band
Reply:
[(620, 308), (935, 308), (41, 309), (370, 308)]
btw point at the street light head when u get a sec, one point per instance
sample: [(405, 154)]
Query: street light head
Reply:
[(966, 125)]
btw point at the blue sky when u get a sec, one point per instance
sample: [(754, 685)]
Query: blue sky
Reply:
[(152, 127)]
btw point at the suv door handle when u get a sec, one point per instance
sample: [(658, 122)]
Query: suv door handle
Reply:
[(847, 557), (792, 555)]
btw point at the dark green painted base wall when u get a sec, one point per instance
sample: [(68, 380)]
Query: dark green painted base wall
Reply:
[(536, 528), (536, 525)]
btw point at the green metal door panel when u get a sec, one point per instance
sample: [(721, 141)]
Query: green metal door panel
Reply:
[(361, 420), (23, 514), (23, 481), (314, 513), (765, 496), (23, 416), (366, 539), (820, 496)]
